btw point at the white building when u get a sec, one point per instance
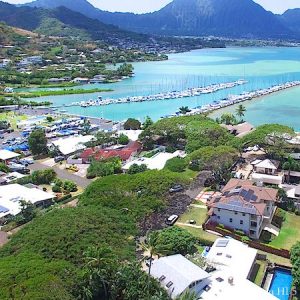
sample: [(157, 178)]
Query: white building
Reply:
[(12, 194), (156, 162), (178, 275), (72, 144), (243, 206), (234, 262), (266, 172), (6, 155)]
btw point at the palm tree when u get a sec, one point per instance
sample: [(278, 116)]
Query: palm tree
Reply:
[(240, 111), (228, 119), (152, 246), (99, 267), (188, 295), (289, 165), (184, 110)]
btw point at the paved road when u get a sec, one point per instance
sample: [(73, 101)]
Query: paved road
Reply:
[(63, 174)]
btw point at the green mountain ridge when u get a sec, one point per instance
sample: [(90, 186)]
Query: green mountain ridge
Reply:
[(61, 21), (225, 18)]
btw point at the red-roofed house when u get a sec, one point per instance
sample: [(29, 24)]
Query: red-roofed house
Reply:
[(243, 206), (125, 154)]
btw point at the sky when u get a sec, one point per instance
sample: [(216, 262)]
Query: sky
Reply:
[(141, 6)]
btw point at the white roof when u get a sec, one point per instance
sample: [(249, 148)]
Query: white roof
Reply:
[(157, 161), (178, 270), (133, 135), (266, 164), (12, 194), (6, 154), (72, 144), (271, 179), (232, 259), (12, 176), (240, 289), (230, 254)]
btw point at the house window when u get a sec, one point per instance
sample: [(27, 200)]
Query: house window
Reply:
[(235, 213), (252, 232), (230, 220), (241, 222), (244, 214), (219, 209), (218, 217)]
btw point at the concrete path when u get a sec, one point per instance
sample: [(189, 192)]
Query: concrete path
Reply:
[(199, 206), (63, 174), (189, 225)]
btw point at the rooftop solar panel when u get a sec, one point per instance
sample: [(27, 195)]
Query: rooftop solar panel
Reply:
[(222, 243), (3, 209)]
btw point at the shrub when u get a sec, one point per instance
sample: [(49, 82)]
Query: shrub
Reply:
[(176, 164), (4, 168), (135, 169), (123, 139), (56, 189), (43, 177), (69, 186)]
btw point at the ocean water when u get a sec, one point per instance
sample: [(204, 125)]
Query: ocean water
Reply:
[(261, 67)]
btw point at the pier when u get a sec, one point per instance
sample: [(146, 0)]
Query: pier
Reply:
[(235, 99), (191, 92)]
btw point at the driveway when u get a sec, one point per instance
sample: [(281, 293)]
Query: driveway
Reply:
[(63, 174)]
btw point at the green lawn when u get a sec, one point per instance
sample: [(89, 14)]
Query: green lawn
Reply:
[(194, 213), (261, 272), (199, 215), (12, 118), (289, 233)]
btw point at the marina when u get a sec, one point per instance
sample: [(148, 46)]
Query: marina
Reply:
[(262, 68), (235, 99), (191, 92)]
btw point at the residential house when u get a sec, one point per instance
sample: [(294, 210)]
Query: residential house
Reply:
[(12, 194), (6, 156), (239, 130), (80, 80), (234, 263), (243, 206), (70, 145), (156, 162), (266, 172), (125, 153), (178, 275)]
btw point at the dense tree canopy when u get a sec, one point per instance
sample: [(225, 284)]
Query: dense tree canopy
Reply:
[(38, 142), (107, 215)]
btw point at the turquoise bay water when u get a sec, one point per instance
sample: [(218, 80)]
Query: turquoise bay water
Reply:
[(262, 67)]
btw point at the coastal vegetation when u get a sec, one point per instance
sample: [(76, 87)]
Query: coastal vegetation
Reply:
[(107, 216), (38, 93), (15, 100)]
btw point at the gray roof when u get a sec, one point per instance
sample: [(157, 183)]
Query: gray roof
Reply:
[(176, 273)]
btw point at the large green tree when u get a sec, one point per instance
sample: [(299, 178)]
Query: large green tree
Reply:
[(37, 142)]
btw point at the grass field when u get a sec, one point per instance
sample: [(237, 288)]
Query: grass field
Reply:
[(289, 233), (199, 215), (12, 118)]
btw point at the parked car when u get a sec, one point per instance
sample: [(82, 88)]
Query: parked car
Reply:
[(58, 159), (26, 161), (193, 222), (172, 220), (176, 188)]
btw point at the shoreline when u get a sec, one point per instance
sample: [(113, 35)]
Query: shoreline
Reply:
[(219, 111)]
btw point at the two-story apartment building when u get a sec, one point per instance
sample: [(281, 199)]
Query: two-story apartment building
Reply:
[(266, 172), (243, 206)]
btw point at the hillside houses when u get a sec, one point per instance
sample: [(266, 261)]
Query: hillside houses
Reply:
[(243, 206)]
